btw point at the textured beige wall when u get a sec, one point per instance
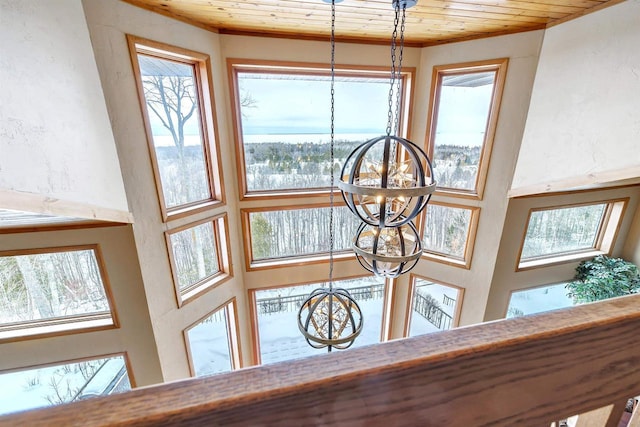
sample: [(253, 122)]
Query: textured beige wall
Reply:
[(506, 279), (135, 334), (56, 140), (522, 51), (583, 122), (109, 21)]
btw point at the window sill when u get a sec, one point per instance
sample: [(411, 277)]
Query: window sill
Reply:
[(189, 294), (62, 326), (447, 259), (297, 261), (558, 259)]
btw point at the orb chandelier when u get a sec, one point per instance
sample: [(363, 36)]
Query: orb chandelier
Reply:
[(387, 251), (330, 317), (382, 190), (387, 181)]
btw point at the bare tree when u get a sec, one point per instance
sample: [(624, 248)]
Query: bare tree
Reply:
[(173, 100), (34, 288)]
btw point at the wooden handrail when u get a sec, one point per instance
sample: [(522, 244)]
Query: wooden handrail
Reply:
[(526, 371)]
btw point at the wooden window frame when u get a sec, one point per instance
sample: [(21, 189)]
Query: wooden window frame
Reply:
[(207, 120), (440, 71), (237, 65), (221, 235), (413, 278), (387, 309), (288, 261), (230, 308), (66, 325), (472, 230), (604, 242)]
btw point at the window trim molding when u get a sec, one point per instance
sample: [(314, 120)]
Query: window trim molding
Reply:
[(230, 308), (604, 242), (239, 65), (290, 261), (220, 226), (472, 231), (413, 278), (67, 325), (498, 65), (207, 121)]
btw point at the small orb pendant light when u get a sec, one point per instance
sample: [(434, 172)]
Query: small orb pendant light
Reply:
[(387, 181), (330, 317)]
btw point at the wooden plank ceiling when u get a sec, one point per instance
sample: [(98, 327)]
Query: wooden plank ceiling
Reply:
[(430, 22)]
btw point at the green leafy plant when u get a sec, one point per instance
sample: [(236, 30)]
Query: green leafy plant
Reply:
[(603, 277)]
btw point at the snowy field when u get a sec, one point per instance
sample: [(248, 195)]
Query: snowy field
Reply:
[(36, 388), (419, 325), (280, 338), (209, 344), (538, 300)]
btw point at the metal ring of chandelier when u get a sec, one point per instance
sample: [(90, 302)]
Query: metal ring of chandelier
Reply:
[(382, 190), (332, 318), (388, 251)]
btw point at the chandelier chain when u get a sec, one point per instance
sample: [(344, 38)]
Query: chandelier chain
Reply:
[(399, 74), (332, 140), (394, 37)]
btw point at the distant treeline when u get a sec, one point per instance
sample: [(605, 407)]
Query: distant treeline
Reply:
[(300, 152), (462, 155)]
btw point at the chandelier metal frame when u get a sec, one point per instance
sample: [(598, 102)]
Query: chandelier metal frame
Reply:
[(388, 193)]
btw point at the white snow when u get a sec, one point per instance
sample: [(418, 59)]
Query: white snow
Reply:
[(29, 389), (209, 344), (419, 325), (538, 300)]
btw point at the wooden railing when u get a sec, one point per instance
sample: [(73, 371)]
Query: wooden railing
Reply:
[(527, 371)]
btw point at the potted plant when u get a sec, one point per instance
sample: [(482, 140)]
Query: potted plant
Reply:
[(603, 277)]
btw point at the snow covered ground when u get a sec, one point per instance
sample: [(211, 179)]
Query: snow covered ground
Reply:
[(280, 338), (36, 388), (209, 344), (419, 325), (538, 300)]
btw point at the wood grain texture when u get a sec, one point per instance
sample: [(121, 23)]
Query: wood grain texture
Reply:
[(429, 22), (46, 205), (526, 371)]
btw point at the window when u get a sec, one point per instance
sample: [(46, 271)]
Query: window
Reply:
[(53, 290), (176, 97), (462, 121), (434, 307), (212, 343), (449, 232), (54, 385), (199, 256), (297, 232), (569, 233), (276, 312), (283, 119), (538, 300)]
